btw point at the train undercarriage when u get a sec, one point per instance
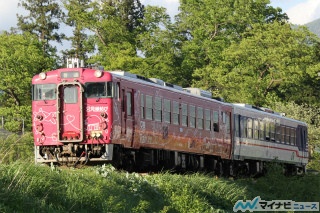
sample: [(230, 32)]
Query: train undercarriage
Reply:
[(72, 154), (153, 160)]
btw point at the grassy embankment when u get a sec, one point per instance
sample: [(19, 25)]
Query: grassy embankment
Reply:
[(25, 187)]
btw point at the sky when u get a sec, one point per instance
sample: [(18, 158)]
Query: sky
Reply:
[(299, 11)]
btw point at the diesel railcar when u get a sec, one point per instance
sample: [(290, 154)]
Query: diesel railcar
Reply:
[(86, 114)]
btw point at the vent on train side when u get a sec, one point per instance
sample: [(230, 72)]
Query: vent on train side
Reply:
[(197, 91)]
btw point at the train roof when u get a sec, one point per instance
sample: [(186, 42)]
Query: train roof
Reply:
[(195, 92), (54, 75), (199, 93), (264, 111)]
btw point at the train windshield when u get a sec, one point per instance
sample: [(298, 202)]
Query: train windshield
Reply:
[(44, 92), (99, 90)]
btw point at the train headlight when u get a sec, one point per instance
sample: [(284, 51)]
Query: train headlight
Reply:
[(95, 134), (98, 73), (43, 76)]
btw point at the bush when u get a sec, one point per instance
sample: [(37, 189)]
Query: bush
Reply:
[(16, 118)]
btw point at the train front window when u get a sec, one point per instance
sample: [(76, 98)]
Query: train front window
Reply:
[(44, 92), (70, 94), (99, 89)]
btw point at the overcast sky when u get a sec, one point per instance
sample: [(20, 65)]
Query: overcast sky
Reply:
[(299, 11)]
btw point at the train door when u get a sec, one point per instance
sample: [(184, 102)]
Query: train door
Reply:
[(236, 138), (70, 112), (127, 115), (226, 116)]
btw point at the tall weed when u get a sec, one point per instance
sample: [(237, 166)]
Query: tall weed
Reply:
[(26, 187), (16, 147)]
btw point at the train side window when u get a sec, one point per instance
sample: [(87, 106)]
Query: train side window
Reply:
[(256, 129), (149, 108), (207, 119), (237, 125), (287, 135), (243, 126), (272, 131), (267, 124), (278, 133), (157, 109), (192, 116), (215, 121), (116, 91), (142, 107), (167, 110), (129, 103), (249, 127), (110, 89), (123, 100), (184, 111), (228, 126), (283, 134), (176, 113), (293, 136), (261, 130), (199, 117), (223, 117)]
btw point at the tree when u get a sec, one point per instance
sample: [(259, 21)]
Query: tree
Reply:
[(115, 24), (209, 27), (21, 57), (160, 46), (43, 20), (272, 60), (76, 18)]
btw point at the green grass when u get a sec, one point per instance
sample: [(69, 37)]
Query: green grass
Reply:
[(26, 187)]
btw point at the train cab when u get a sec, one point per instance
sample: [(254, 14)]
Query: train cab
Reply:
[(72, 108)]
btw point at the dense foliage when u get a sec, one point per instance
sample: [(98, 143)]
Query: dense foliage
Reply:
[(244, 51), (42, 20), (21, 57)]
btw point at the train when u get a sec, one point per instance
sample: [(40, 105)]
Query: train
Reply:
[(87, 114)]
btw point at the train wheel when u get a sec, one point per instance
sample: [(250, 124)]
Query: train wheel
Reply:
[(129, 165), (219, 168), (194, 163), (290, 170)]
